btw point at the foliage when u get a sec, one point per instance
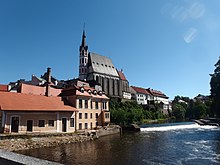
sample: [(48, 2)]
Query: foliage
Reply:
[(126, 113), (215, 90), (186, 108)]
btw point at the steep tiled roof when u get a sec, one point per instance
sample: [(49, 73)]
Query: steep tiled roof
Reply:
[(102, 64), (141, 90), (75, 90), (122, 76), (4, 88), (28, 102)]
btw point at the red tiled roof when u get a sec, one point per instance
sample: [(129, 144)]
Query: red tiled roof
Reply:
[(28, 102), (4, 88), (75, 90), (122, 76), (157, 93), (37, 90), (140, 90)]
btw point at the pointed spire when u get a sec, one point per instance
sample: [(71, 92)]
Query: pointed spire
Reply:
[(83, 45)]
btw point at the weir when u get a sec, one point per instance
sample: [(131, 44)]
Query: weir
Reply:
[(175, 127)]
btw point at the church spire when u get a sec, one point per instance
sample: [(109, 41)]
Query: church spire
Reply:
[(83, 57), (83, 44)]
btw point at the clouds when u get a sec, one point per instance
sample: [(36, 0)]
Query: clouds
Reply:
[(190, 35), (184, 12)]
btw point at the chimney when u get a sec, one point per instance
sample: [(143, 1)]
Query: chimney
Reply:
[(47, 93)]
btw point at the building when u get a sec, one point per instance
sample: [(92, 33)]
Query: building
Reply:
[(21, 112), (92, 106), (95, 67), (45, 109), (141, 95)]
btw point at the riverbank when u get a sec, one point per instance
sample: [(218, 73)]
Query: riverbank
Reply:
[(16, 142)]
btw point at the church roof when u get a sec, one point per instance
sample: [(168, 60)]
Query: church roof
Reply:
[(102, 64), (122, 76)]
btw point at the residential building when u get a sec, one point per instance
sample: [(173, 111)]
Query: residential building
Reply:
[(141, 95), (92, 106), (21, 113)]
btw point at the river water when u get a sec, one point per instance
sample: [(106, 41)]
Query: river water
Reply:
[(162, 144)]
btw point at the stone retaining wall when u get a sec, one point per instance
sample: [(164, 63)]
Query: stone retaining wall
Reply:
[(22, 142)]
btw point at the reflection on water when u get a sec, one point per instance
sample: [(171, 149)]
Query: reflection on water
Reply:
[(191, 145)]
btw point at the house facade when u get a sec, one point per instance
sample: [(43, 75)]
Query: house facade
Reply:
[(92, 106), (23, 113), (45, 109)]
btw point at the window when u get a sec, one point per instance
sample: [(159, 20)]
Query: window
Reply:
[(96, 115), (91, 104), (80, 126), (41, 123), (80, 115), (80, 103), (96, 124), (90, 115), (86, 115), (51, 123), (96, 105), (106, 115), (86, 125), (104, 105), (82, 60), (72, 122), (91, 125), (86, 103)]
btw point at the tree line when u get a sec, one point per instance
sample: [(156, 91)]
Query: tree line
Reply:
[(182, 107)]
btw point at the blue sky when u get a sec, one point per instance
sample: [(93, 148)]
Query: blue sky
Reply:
[(170, 45)]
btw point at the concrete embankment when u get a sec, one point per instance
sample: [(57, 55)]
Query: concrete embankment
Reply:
[(10, 158), (209, 121)]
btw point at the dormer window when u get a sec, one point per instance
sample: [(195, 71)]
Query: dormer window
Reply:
[(89, 91), (94, 92), (82, 89), (100, 93)]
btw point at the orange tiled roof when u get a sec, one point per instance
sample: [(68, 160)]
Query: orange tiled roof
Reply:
[(29, 102), (75, 90)]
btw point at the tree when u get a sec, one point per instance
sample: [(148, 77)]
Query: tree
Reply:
[(178, 111), (215, 89)]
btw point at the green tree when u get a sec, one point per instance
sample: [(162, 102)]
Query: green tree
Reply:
[(215, 89), (178, 111)]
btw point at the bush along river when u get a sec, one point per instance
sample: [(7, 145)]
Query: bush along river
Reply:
[(158, 144)]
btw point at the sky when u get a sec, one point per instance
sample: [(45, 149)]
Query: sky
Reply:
[(170, 45)]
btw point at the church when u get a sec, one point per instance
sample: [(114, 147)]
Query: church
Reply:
[(101, 70)]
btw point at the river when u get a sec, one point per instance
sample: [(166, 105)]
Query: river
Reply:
[(161, 144)]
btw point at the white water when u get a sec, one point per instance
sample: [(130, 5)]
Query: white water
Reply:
[(177, 127)]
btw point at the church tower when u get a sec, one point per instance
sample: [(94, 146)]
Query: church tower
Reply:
[(83, 58)]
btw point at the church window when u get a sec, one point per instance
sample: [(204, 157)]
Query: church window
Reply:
[(82, 60)]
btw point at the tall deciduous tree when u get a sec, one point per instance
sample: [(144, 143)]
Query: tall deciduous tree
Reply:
[(215, 89)]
